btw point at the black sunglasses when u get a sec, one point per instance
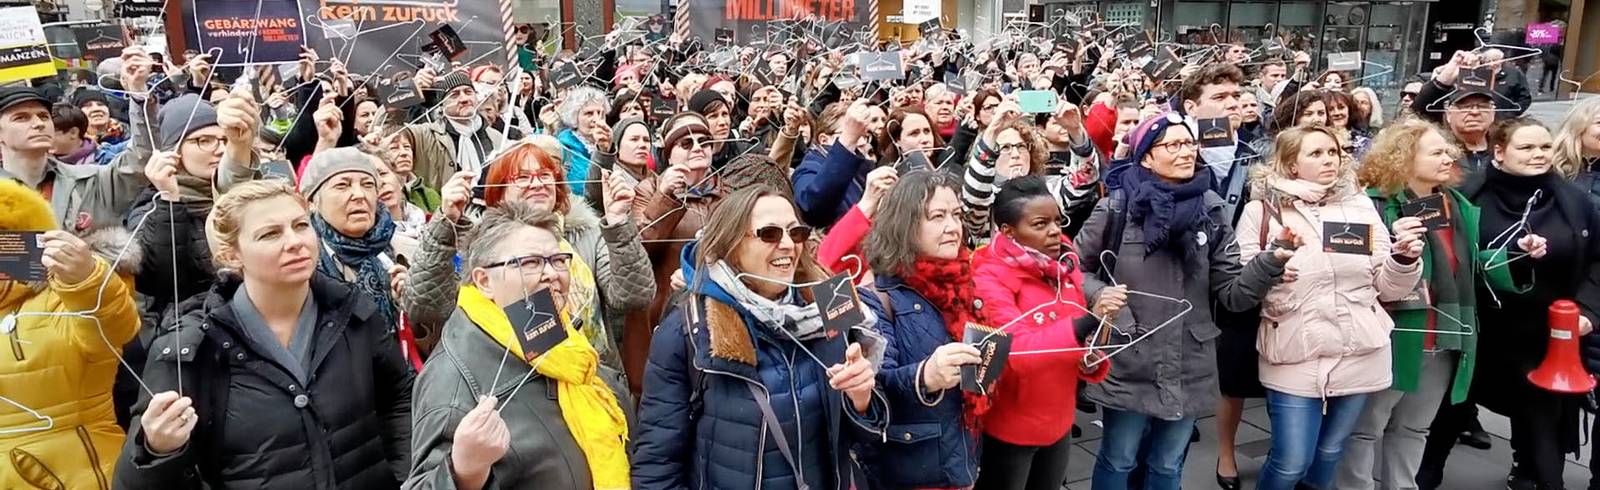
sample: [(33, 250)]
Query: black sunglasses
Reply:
[(774, 234)]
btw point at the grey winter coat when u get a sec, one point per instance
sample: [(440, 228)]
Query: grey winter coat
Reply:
[(623, 278), (89, 197), (543, 453), (1171, 374)]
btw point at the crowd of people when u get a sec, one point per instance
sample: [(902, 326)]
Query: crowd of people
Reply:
[(624, 270)]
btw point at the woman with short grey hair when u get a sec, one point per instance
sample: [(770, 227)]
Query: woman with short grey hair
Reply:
[(583, 130), (469, 416)]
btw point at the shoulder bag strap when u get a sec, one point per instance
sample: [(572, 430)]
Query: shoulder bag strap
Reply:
[(777, 433)]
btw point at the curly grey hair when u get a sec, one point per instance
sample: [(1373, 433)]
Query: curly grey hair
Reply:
[(575, 100)]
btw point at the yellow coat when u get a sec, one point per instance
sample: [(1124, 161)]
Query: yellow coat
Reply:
[(61, 367)]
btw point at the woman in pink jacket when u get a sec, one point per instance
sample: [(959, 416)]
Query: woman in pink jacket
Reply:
[(1020, 276), (1324, 339)]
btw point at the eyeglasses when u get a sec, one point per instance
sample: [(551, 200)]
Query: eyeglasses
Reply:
[(544, 177), (205, 143), (532, 263), (774, 234), (1177, 146), (690, 143), (1014, 147)]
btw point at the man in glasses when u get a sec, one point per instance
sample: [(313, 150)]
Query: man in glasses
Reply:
[(1408, 94), (1463, 97)]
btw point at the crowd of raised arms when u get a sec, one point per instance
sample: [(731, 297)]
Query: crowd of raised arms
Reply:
[(664, 272)]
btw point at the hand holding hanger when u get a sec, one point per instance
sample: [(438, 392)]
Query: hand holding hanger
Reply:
[(856, 377), (136, 68), (168, 422), (455, 195), (1110, 301), (1536, 246), (1445, 75), (618, 195), (67, 257), (942, 370), (1286, 243), (480, 440), (1408, 236), (879, 181)]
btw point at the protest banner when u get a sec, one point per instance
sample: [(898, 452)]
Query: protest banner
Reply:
[(246, 31), (391, 35), (749, 18), (101, 42), (23, 51)]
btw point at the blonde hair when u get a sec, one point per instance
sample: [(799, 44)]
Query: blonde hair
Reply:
[(222, 226), (1286, 155), (1568, 157), (1388, 165)]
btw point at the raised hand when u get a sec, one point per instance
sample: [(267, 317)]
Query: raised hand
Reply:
[(480, 440), (162, 171), (66, 257), (239, 116), (1110, 301), (1408, 233), (856, 377), (455, 195), (618, 194), (879, 182), (942, 370), (136, 68), (167, 422), (1534, 245)]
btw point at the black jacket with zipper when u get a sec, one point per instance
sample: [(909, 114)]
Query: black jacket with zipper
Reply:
[(348, 428)]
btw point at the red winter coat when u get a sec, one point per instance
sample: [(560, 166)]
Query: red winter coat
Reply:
[(1036, 398), (840, 250), (1101, 124)]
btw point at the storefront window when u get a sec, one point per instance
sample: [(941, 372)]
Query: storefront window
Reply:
[(1298, 22), (1251, 22), (1194, 20)]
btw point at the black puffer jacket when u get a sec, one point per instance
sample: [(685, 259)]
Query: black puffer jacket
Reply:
[(349, 428), (157, 224)]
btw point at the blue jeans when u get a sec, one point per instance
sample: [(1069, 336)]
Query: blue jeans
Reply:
[(1165, 442), (1308, 437)]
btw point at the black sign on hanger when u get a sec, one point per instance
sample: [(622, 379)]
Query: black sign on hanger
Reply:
[(1430, 209), (1346, 238), (536, 323), (449, 42), (1215, 132), (993, 349), (840, 306)]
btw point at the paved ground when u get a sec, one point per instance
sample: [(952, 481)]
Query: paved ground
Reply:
[(1469, 469)]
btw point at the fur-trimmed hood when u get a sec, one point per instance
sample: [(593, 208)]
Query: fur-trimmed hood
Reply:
[(24, 209), (1262, 176)]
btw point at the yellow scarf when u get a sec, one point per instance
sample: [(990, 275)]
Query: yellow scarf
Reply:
[(581, 301), (588, 405)]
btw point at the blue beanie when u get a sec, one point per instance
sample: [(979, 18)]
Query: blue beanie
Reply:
[(1145, 135)]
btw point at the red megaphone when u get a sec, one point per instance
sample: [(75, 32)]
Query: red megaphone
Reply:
[(1562, 371)]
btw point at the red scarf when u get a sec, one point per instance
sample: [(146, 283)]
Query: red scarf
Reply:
[(948, 285)]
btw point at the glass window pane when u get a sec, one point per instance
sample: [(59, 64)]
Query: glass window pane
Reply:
[(1249, 22), (1194, 19)]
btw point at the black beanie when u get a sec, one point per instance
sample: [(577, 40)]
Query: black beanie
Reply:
[(703, 100)]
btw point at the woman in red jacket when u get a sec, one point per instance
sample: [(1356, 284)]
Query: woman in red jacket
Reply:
[(1020, 276)]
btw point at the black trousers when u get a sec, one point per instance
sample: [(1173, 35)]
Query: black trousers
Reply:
[(1006, 466)]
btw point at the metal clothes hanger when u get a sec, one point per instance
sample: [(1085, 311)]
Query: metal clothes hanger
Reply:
[(49, 422)]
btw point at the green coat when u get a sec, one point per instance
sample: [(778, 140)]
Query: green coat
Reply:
[(1408, 346)]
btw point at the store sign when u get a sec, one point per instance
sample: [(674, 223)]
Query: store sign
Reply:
[(1543, 34), (917, 11), (23, 53), (749, 19), (138, 8)]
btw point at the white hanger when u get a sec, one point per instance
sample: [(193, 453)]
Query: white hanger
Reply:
[(1506, 238), (49, 422), (1466, 331), (1188, 307)]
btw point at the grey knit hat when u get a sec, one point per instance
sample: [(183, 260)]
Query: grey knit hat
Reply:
[(181, 117), (328, 163)]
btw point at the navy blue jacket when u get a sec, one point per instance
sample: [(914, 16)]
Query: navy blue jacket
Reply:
[(927, 446), (719, 439), (828, 183)]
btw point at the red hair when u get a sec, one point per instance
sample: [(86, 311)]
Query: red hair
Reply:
[(506, 169), (478, 72)]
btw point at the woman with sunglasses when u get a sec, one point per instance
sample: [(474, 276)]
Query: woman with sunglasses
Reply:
[(1323, 343), (1435, 340), (1028, 282), (670, 209), (1554, 256), (923, 297), (609, 275), (746, 387), (486, 409), (1170, 244)]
